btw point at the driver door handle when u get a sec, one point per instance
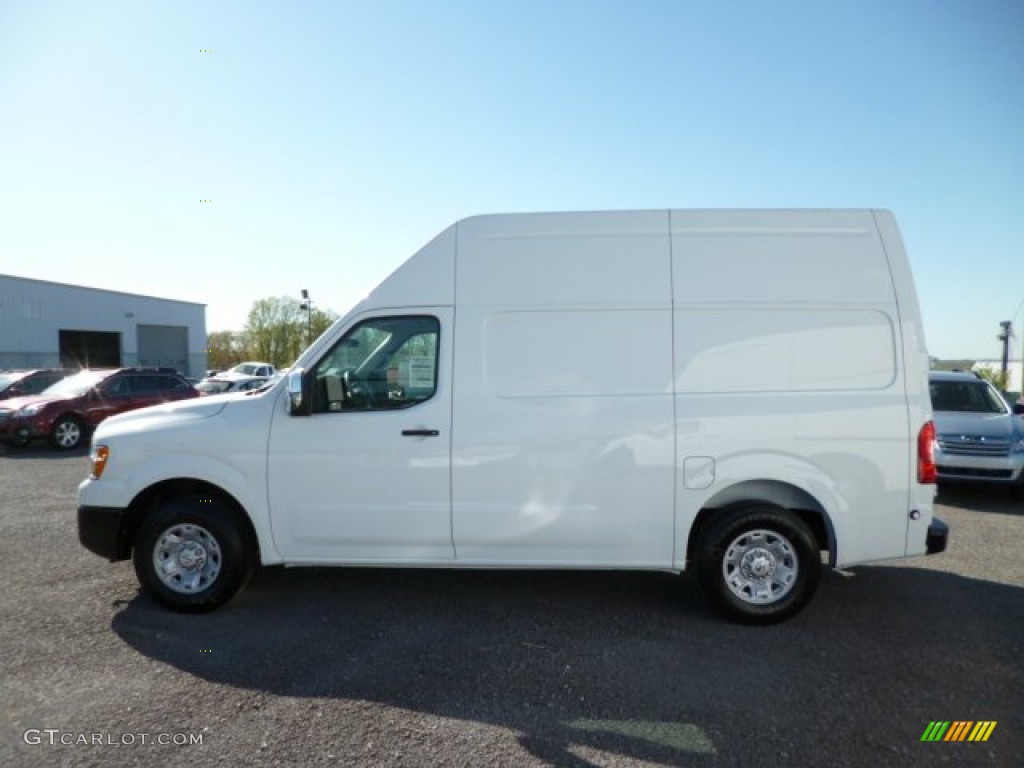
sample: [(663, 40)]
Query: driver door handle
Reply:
[(420, 433)]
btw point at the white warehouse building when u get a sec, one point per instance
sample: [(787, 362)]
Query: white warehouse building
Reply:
[(53, 325)]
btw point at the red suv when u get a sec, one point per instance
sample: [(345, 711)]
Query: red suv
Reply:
[(65, 412)]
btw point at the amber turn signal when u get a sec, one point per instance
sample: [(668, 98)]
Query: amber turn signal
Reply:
[(98, 459)]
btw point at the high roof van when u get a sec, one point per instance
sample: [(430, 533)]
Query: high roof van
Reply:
[(744, 393)]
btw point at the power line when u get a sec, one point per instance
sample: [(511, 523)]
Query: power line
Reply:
[(1019, 308)]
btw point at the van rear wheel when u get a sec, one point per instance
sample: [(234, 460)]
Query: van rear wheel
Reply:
[(758, 564), (190, 554)]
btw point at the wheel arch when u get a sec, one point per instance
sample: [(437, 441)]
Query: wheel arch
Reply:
[(70, 414), (149, 499), (776, 493)]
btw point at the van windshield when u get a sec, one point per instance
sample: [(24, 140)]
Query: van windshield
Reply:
[(966, 397)]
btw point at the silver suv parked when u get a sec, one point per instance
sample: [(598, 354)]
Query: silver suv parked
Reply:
[(979, 438)]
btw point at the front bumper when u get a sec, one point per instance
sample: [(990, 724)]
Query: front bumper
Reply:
[(938, 537), (998, 470), (20, 430), (101, 530)]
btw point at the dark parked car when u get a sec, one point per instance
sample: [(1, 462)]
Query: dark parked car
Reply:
[(30, 382), (65, 412)]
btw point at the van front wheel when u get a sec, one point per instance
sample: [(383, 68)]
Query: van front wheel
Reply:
[(758, 564), (190, 556)]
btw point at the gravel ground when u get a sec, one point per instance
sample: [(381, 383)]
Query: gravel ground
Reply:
[(420, 668)]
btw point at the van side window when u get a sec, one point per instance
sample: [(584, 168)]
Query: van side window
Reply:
[(381, 364)]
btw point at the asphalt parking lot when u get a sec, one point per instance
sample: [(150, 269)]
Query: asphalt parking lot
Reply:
[(412, 668)]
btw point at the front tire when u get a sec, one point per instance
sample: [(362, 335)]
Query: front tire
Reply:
[(191, 554), (758, 564)]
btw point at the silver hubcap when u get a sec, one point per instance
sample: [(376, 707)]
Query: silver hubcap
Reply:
[(760, 567), (187, 558), (68, 434)]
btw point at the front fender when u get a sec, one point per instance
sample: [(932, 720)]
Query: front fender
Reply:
[(242, 479)]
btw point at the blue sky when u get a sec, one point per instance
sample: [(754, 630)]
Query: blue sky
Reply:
[(335, 138)]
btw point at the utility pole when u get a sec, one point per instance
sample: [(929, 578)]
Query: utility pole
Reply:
[(307, 306), (1004, 336)]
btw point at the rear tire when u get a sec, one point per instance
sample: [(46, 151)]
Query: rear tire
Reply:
[(191, 554), (758, 564), (68, 433)]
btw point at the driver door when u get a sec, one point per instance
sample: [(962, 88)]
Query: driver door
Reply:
[(366, 476)]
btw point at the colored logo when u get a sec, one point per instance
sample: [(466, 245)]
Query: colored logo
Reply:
[(958, 730)]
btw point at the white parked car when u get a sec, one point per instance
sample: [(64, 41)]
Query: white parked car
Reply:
[(743, 393), (218, 385), (263, 370)]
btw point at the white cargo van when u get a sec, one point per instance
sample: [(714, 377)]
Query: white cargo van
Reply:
[(737, 391)]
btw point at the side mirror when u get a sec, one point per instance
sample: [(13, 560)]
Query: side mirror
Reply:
[(1018, 408), (298, 393)]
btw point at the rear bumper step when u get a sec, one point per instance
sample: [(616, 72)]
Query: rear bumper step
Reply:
[(938, 537)]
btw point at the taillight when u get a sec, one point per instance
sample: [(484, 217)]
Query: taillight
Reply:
[(926, 471)]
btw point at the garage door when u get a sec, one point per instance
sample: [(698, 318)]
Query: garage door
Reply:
[(163, 346), (89, 349)]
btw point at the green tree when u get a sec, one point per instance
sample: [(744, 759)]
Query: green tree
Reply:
[(999, 379), (225, 349), (275, 330), (319, 321)]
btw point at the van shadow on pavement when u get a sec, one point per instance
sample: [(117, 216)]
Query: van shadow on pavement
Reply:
[(629, 663)]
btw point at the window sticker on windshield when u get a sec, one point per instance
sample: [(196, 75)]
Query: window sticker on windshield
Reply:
[(417, 373)]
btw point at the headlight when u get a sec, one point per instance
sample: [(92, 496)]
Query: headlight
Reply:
[(31, 410), (1018, 447), (98, 461)]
